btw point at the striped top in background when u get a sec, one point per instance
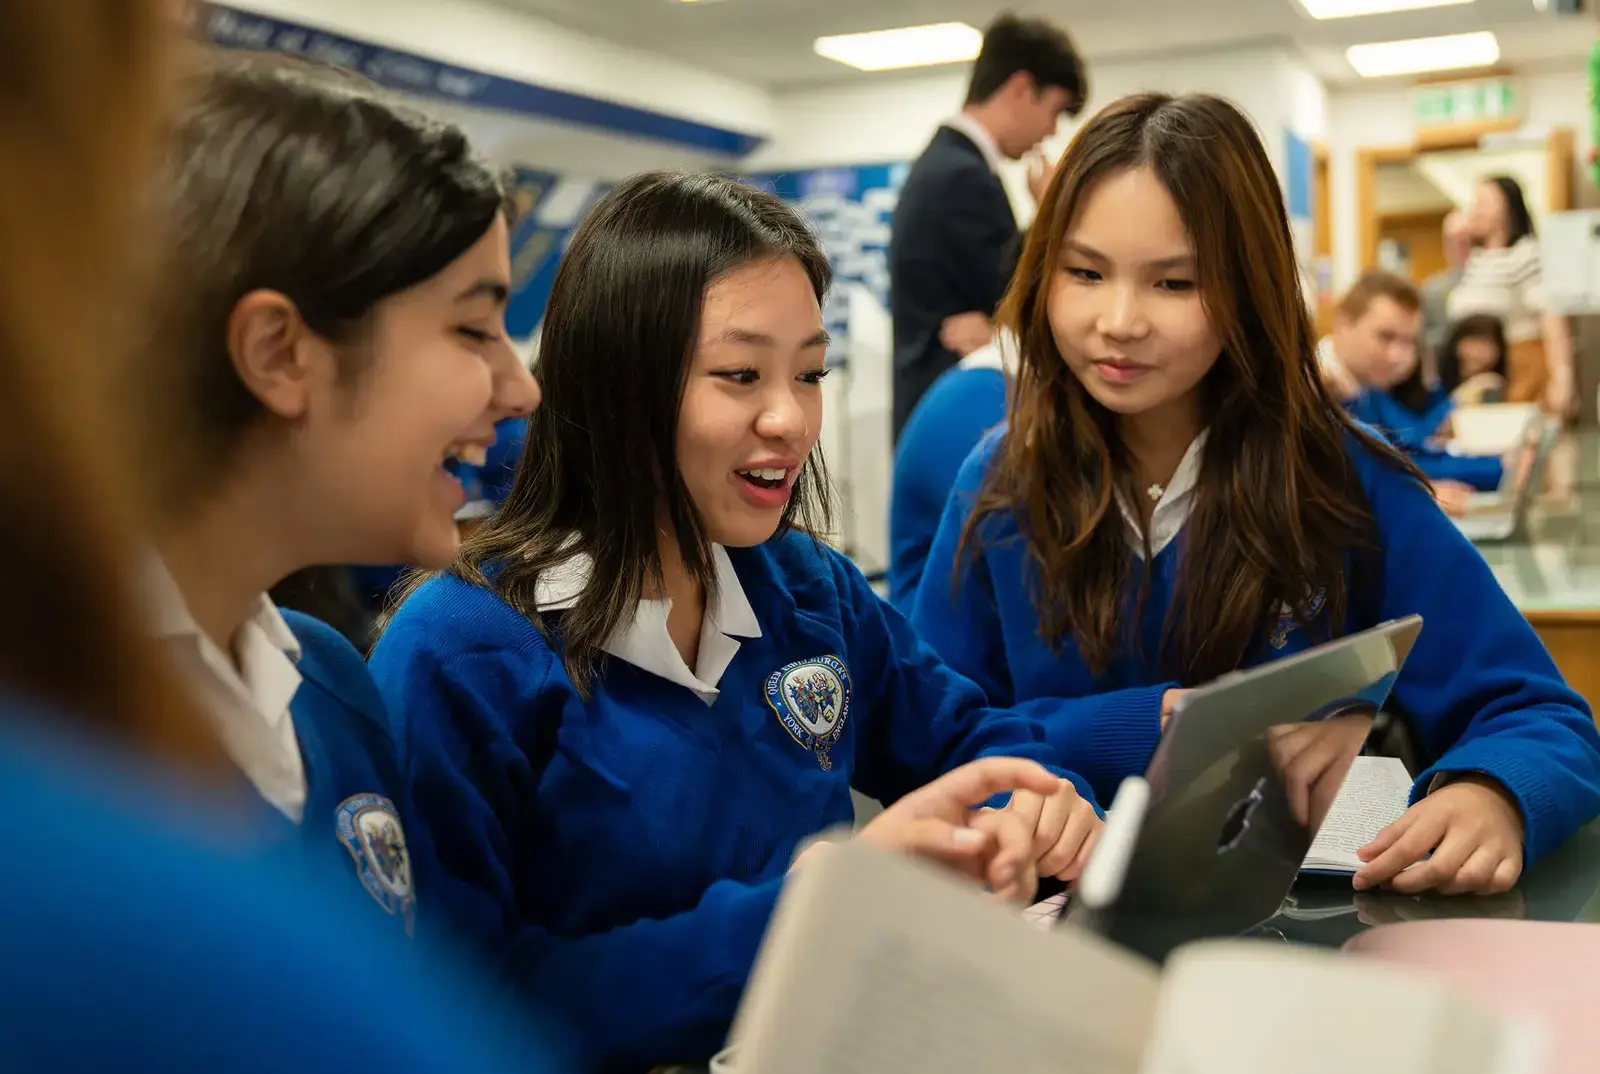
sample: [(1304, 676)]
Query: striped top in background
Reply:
[(1506, 284)]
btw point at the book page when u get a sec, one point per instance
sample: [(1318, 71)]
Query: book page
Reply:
[(878, 964), (1372, 797), (1235, 1007)]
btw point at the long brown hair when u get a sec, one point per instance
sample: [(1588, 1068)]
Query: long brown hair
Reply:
[(1278, 506), (599, 471), (80, 108)]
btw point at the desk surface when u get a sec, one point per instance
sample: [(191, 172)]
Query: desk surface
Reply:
[(1556, 567), (1565, 886)]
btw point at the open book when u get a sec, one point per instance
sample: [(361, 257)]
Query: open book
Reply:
[(1374, 794), (878, 963)]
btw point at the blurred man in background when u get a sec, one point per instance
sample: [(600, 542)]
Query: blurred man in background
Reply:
[(954, 221)]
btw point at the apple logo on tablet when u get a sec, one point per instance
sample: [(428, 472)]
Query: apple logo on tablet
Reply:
[(1238, 819)]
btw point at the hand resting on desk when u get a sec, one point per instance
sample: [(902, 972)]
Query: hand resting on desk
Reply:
[(1472, 827)]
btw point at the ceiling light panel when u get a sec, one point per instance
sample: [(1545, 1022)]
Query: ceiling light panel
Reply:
[(1454, 52), (1349, 9), (909, 46)]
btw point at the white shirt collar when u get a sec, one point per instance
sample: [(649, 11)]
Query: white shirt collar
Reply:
[(248, 702), (1001, 352), (981, 138), (645, 643), (1172, 509)]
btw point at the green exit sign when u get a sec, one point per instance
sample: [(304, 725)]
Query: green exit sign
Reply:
[(1455, 104)]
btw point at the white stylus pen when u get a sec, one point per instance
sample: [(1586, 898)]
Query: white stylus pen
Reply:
[(1108, 865)]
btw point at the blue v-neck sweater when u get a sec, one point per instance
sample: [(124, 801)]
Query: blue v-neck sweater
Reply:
[(618, 857), (1481, 691)]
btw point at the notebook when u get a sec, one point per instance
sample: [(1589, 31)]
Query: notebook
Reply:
[(1375, 793)]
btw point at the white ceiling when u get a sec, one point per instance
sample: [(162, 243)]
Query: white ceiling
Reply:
[(768, 42)]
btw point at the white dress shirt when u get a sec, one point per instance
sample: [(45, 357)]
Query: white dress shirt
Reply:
[(1172, 509), (1002, 352), (247, 700), (644, 641)]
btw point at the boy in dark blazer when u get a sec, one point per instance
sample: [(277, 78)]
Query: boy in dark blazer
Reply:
[(954, 220)]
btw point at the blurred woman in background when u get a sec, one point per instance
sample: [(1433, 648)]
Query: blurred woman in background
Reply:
[(1503, 278), (133, 937)]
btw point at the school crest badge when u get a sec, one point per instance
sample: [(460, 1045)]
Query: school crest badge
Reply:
[(370, 829), (812, 700), (1286, 621)]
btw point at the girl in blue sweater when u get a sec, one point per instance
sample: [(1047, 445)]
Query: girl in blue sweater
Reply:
[(330, 334), (1177, 496), (645, 683), (132, 935)]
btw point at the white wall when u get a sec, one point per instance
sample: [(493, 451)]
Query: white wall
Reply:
[(500, 41), (1307, 99), (891, 119), (567, 150), (1381, 116)]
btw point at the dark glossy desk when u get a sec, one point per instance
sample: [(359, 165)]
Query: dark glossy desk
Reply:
[(1565, 886), (1552, 572)]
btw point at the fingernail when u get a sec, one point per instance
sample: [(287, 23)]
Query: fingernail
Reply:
[(966, 837)]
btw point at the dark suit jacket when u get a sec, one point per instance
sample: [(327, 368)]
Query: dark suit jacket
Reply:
[(947, 241)]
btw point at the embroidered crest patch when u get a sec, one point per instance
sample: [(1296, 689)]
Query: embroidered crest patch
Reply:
[(812, 700), (1286, 621), (370, 829)]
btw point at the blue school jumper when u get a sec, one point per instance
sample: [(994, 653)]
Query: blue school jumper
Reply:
[(1481, 691), (947, 423), (137, 938), (621, 856), (357, 823), (1412, 432)]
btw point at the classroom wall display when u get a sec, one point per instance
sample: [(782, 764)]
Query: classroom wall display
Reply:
[(428, 79), (850, 209), (1300, 196), (549, 209)]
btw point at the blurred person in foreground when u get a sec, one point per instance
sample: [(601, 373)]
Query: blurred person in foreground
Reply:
[(134, 934)]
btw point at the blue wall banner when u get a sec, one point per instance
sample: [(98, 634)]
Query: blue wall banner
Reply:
[(1298, 181), (549, 209), (850, 209), (419, 76)]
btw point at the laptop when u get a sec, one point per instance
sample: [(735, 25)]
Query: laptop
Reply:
[(1502, 515), (1489, 429), (1218, 842)]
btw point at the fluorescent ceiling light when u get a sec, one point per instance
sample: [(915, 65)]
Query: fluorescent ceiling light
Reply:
[(910, 46), (1348, 9), (1479, 49)]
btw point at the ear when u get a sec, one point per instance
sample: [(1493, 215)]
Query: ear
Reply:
[(267, 345), (1020, 86)]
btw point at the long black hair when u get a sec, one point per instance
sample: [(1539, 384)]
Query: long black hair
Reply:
[(1478, 326), (599, 471), (1519, 222), (303, 181)]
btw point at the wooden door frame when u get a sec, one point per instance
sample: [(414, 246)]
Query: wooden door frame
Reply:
[(1559, 152), (1367, 163)]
